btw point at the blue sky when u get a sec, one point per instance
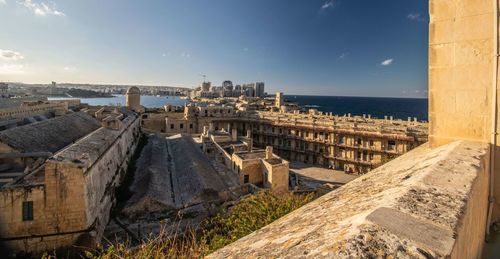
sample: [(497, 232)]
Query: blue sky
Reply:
[(343, 47)]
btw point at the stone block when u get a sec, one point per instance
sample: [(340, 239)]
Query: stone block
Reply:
[(478, 27), (442, 101), (441, 32), (442, 10), (474, 52), (477, 76), (441, 55), (466, 8), (441, 78)]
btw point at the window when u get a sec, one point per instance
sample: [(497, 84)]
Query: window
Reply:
[(27, 210), (391, 145), (182, 126), (190, 126), (358, 141), (371, 143), (171, 126), (246, 178)]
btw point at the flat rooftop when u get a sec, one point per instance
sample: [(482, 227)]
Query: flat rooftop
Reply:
[(320, 174), (252, 155)]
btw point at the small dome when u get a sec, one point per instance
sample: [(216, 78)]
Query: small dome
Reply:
[(133, 90)]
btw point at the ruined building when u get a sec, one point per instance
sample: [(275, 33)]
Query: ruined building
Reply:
[(351, 144), (252, 165)]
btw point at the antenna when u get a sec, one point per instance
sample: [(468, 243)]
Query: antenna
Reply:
[(204, 78)]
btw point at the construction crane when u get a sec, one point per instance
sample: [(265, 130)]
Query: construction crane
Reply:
[(204, 78)]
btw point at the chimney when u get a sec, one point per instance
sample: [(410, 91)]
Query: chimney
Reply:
[(391, 118), (269, 152), (415, 119), (369, 116), (349, 115), (385, 117), (234, 135), (250, 145)]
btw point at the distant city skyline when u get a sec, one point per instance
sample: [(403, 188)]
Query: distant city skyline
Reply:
[(299, 47)]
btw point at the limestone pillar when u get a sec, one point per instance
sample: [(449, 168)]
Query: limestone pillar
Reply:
[(234, 135), (269, 152)]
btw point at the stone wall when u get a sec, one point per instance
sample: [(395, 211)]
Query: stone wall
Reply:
[(463, 75), (105, 175), (32, 110), (428, 203), (250, 167), (275, 175), (72, 196)]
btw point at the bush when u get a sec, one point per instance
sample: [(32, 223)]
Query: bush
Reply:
[(248, 215)]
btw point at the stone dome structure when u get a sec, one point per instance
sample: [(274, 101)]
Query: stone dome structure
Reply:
[(133, 98), (133, 90)]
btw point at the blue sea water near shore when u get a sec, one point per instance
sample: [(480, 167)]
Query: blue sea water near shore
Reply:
[(400, 108), (148, 101)]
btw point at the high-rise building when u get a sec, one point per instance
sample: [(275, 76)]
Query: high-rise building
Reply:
[(227, 85), (250, 91), (259, 89), (205, 86)]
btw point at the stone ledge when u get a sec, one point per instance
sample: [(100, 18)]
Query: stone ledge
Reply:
[(418, 205)]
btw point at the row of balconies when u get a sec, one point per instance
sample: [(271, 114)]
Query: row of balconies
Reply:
[(390, 149), (327, 155)]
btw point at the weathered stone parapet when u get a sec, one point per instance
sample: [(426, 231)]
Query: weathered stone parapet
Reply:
[(426, 203)]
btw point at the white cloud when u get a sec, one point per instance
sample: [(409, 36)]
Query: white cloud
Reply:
[(69, 69), (185, 55), (8, 69), (245, 49), (42, 8), (3, 2), (328, 4), (343, 55), (415, 17), (10, 54), (387, 62)]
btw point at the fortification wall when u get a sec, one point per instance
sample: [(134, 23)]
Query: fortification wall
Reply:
[(428, 203), (464, 90), (26, 111), (104, 175), (72, 201)]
